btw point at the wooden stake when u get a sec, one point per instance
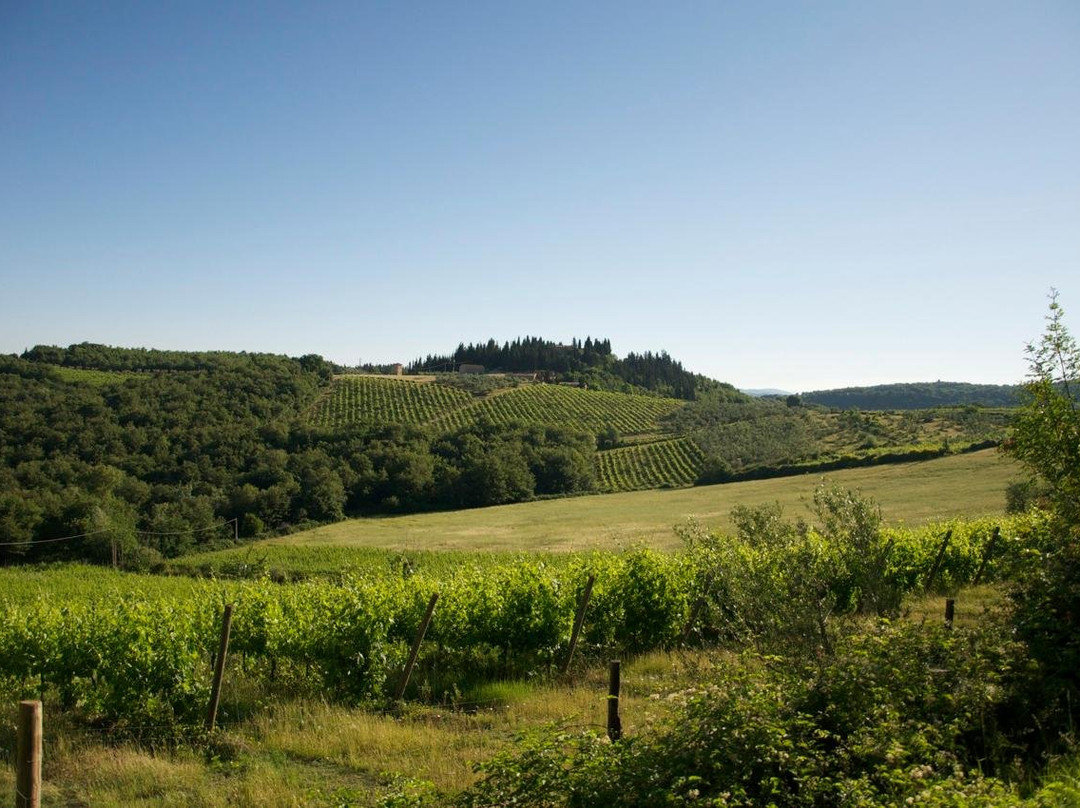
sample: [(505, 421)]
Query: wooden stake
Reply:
[(416, 648), (614, 723), (986, 553), (219, 668), (950, 612), (28, 756), (579, 621), (938, 560)]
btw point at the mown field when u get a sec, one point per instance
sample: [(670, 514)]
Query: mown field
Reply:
[(956, 486)]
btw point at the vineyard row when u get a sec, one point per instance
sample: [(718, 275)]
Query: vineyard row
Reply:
[(128, 657), (663, 464)]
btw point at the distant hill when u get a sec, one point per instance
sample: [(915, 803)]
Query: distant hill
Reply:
[(916, 396), (769, 391)]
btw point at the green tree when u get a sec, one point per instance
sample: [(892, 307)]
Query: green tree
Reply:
[(1046, 598), (1046, 431)]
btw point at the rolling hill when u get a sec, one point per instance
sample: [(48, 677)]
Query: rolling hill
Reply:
[(160, 452)]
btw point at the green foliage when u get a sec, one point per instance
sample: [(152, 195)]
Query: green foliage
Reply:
[(853, 525), (1022, 495), (774, 582), (640, 601), (607, 438), (1046, 438), (1046, 430), (737, 436), (124, 661), (125, 648), (589, 361), (898, 715), (158, 451), (151, 454)]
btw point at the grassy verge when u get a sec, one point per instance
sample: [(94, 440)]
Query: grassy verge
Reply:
[(292, 753)]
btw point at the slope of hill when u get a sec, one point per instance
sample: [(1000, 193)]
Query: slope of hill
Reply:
[(157, 453), (355, 399), (958, 486)]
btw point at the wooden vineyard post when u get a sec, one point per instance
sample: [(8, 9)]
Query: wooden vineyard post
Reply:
[(950, 612), (986, 554), (579, 621), (28, 756), (614, 723), (416, 648), (219, 668), (938, 560)]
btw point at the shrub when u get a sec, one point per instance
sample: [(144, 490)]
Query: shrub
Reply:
[(898, 715)]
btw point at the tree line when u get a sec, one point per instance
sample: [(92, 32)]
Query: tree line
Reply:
[(916, 396), (586, 361)]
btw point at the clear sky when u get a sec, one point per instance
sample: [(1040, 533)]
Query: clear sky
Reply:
[(797, 195)]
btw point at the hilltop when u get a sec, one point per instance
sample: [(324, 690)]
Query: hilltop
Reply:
[(587, 362)]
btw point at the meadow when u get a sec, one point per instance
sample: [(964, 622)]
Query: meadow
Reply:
[(956, 486)]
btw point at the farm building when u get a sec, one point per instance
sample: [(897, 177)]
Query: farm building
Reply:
[(465, 368)]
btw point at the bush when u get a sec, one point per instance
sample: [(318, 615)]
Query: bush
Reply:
[(898, 715), (1046, 599)]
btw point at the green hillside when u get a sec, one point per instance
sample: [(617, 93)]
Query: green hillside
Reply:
[(644, 441), (355, 399), (373, 400), (567, 407), (160, 453)]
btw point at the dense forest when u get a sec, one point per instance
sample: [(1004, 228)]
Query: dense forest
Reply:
[(149, 448), (590, 362), (916, 396)]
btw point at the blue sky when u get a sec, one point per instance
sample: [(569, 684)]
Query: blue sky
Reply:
[(779, 194)]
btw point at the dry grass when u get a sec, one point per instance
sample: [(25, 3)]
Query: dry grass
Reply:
[(294, 754), (972, 605)]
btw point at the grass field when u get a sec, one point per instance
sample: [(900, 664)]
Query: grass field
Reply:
[(967, 485)]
